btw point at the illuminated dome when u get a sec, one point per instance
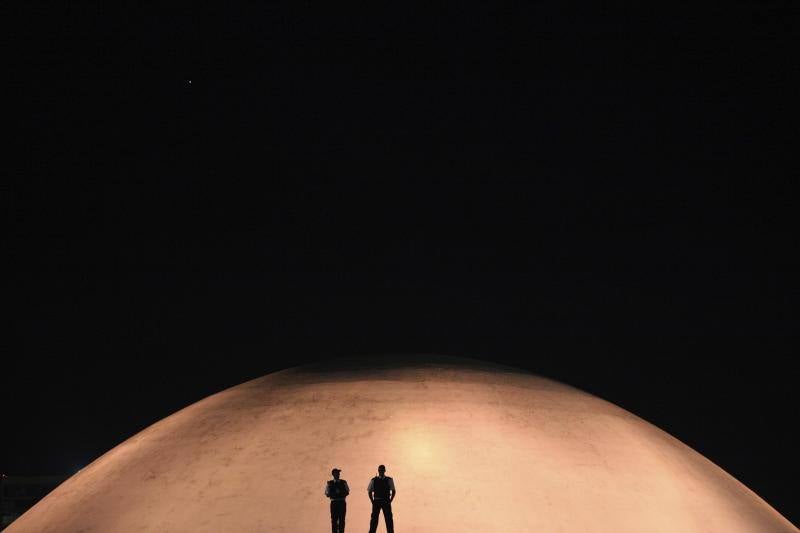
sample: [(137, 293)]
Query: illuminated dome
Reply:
[(471, 447)]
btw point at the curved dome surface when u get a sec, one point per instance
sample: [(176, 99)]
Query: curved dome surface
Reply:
[(471, 447)]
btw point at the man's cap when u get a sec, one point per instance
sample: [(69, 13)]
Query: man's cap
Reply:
[(381, 467), (335, 470)]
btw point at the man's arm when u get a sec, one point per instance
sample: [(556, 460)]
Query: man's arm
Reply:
[(327, 490), (370, 488), (392, 490), (346, 488)]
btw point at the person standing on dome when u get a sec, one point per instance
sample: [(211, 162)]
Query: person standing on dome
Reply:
[(381, 492), (337, 490)]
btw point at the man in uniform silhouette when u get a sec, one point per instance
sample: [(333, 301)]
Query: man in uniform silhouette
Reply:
[(337, 490), (381, 492)]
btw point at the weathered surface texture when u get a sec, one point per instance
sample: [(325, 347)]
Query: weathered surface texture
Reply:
[(471, 448)]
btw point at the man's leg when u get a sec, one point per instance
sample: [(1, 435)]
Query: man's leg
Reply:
[(334, 518), (341, 517), (387, 515), (373, 519)]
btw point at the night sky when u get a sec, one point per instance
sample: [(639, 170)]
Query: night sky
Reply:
[(200, 198)]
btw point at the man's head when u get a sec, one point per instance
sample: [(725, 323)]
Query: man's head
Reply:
[(381, 470), (335, 473)]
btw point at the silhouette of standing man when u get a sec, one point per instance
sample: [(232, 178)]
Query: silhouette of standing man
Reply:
[(337, 490), (381, 492)]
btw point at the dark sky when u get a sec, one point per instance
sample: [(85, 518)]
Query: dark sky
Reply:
[(606, 198)]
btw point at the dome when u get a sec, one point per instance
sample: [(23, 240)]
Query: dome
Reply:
[(470, 446)]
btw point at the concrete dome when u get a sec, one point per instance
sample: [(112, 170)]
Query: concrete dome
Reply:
[(471, 447)]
